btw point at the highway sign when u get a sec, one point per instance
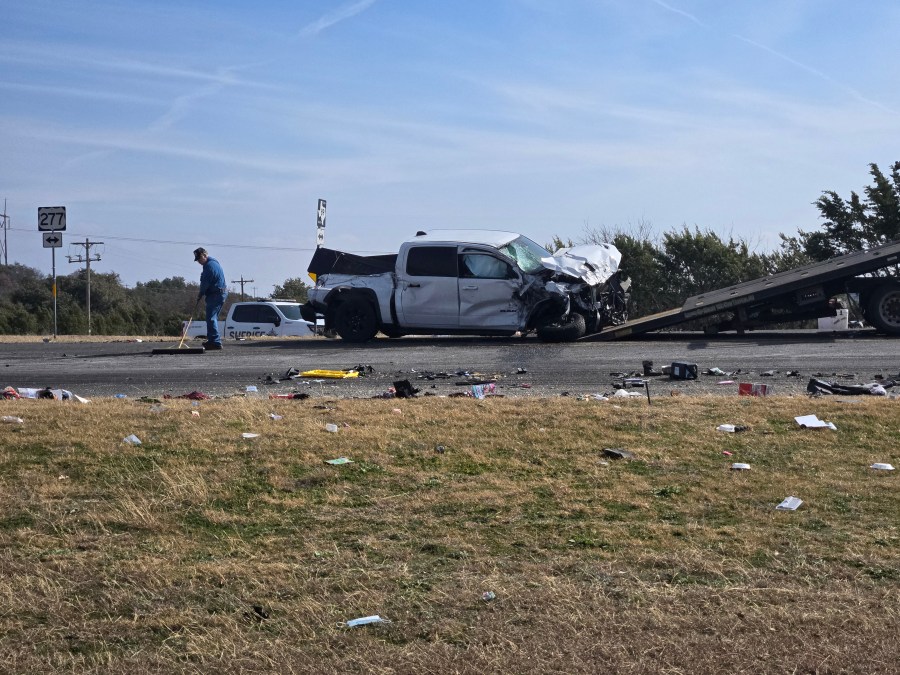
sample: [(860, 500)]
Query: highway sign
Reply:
[(52, 240), (52, 218), (320, 223)]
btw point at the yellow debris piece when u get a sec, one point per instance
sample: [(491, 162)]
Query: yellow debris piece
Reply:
[(333, 374)]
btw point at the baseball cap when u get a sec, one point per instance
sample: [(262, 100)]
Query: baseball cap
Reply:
[(198, 252)]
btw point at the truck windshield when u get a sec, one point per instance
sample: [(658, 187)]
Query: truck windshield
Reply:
[(526, 253), (291, 312)]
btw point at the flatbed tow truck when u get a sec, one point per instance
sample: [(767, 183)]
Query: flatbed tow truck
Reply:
[(803, 293)]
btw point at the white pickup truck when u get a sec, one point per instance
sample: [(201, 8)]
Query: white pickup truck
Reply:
[(254, 319), (469, 282)]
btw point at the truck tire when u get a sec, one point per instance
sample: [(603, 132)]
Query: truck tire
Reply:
[(355, 320), (568, 330), (883, 309)]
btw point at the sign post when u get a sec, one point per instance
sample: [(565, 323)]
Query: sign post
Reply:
[(320, 223), (51, 220)]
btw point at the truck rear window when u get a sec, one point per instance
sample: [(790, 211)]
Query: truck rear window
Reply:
[(431, 261)]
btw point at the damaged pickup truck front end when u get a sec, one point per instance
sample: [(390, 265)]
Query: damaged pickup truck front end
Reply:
[(596, 291), (472, 282)]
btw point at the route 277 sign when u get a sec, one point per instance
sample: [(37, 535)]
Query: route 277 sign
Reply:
[(52, 218)]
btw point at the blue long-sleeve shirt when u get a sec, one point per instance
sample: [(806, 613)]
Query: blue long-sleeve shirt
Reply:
[(212, 278)]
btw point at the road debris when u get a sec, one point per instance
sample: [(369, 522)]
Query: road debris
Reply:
[(789, 504), (363, 621), (813, 422)]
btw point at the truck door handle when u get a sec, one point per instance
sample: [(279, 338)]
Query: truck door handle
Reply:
[(413, 285), (470, 288)]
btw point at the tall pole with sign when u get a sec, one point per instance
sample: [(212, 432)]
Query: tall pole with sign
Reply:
[(52, 221), (320, 224)]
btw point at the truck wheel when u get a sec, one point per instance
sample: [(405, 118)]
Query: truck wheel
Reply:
[(883, 309), (355, 320), (569, 329)]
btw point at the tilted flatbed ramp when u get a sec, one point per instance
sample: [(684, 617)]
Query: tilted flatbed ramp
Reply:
[(759, 291)]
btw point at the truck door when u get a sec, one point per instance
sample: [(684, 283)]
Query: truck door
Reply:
[(249, 320), (427, 288), (487, 285)]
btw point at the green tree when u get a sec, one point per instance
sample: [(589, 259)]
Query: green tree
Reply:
[(697, 262), (856, 223), (294, 288)]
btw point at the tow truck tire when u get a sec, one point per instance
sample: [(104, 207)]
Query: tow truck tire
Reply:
[(883, 309), (568, 330), (355, 320)]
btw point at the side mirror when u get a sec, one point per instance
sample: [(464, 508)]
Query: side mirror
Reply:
[(277, 321)]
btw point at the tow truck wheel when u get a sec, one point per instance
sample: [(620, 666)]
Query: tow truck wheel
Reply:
[(355, 320), (883, 309), (569, 329)]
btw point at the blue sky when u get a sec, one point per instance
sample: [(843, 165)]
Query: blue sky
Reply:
[(167, 125)]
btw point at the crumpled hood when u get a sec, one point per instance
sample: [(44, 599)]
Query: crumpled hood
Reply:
[(593, 264)]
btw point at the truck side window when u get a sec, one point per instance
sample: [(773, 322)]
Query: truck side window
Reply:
[(268, 315), (245, 314), (484, 266), (431, 261)]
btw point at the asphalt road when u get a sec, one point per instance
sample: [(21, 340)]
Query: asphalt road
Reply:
[(110, 368)]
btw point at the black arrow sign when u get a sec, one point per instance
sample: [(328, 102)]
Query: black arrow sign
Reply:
[(52, 240)]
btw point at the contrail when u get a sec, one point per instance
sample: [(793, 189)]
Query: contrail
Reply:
[(818, 73), (338, 15), (809, 69), (680, 12)]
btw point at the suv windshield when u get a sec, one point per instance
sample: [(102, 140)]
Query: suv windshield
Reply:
[(526, 253)]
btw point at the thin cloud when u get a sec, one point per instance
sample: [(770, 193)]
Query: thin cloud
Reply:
[(675, 10), (338, 15), (809, 69), (78, 93), (818, 73)]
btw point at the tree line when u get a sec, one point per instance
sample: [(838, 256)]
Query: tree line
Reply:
[(665, 268), (150, 308)]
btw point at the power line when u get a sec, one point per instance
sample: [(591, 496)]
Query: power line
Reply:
[(87, 243), (194, 243), (242, 282)]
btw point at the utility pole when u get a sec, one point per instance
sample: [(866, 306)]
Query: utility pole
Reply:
[(87, 243), (242, 282), (4, 223)]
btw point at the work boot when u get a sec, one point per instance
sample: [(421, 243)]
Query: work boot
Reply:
[(212, 345)]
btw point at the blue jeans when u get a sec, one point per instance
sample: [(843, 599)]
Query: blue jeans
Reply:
[(214, 302)]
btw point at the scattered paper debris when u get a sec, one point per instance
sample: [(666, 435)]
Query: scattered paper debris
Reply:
[(732, 428), (11, 419), (789, 504), (251, 388), (247, 434), (195, 413), (366, 620), (740, 466), (338, 461), (813, 422), (331, 428), (275, 417), (880, 466), (132, 440), (487, 596)]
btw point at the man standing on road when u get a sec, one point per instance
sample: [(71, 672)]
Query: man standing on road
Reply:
[(212, 287)]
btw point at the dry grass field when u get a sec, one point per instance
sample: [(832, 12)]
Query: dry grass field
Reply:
[(200, 551)]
